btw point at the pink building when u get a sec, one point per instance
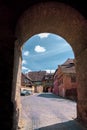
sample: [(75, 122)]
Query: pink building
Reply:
[(65, 82), (55, 84)]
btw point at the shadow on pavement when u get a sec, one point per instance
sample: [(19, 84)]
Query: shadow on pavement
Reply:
[(70, 125), (49, 95), (53, 96)]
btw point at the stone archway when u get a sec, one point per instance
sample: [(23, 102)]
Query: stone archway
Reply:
[(65, 21)]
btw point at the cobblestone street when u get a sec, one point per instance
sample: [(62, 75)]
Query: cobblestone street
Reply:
[(46, 111)]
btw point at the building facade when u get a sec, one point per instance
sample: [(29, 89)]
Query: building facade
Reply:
[(26, 83), (48, 82), (66, 80), (55, 83), (37, 77)]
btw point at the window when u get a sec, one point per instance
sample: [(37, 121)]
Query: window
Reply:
[(73, 78)]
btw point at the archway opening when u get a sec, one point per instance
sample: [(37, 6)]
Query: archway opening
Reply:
[(65, 21), (42, 56)]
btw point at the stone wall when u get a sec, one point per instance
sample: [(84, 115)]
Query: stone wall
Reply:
[(53, 18), (63, 20), (82, 89), (17, 85)]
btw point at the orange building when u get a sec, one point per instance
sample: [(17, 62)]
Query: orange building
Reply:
[(66, 80)]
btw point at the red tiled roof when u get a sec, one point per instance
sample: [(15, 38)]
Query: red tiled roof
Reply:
[(37, 75), (24, 77), (68, 66)]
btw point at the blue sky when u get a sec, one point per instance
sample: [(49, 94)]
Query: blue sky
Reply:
[(45, 51)]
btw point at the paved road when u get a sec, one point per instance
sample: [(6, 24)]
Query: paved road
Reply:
[(47, 111)]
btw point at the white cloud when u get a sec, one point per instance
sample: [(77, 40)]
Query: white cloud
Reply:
[(24, 62), (43, 35), (24, 68), (50, 71), (26, 53), (28, 71), (39, 49)]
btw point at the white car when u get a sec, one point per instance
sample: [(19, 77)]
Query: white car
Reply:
[(25, 92)]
